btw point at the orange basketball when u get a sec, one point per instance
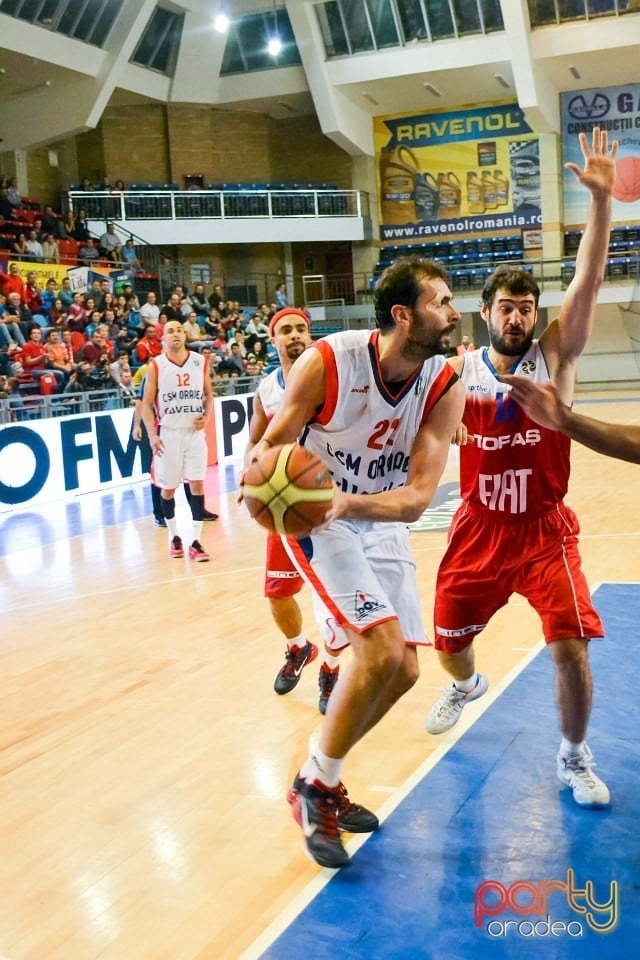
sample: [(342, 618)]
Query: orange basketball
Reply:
[(627, 185), (288, 490)]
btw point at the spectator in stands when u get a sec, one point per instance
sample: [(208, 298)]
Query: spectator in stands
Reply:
[(88, 252), (93, 350), (94, 319), (20, 247), (119, 186), (12, 282), (110, 244), (7, 212), (32, 299), (196, 338), (49, 295), (21, 314), (234, 360), (149, 345), (199, 301), (80, 227), (50, 222), (216, 297), (129, 255), (172, 308), (127, 389), (150, 311), (34, 358), (86, 184), (120, 366), (9, 330), (13, 193), (57, 314), (130, 295), (50, 249), (465, 345), (79, 380), (67, 343), (57, 354), (34, 247), (68, 225), (66, 293), (76, 314), (280, 296), (169, 275)]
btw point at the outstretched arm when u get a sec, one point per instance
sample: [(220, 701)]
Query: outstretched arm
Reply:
[(543, 405), (565, 339)]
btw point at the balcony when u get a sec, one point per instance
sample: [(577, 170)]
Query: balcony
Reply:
[(287, 213)]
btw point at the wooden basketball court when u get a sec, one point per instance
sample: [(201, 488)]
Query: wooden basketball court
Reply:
[(145, 756)]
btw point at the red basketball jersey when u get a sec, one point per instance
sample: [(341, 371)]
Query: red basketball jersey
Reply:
[(513, 466)]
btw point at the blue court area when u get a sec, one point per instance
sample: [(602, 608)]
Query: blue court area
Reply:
[(489, 856)]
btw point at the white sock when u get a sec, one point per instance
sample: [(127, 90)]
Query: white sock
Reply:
[(172, 525), (465, 686), (294, 643), (197, 530), (331, 662), (570, 749), (321, 767)]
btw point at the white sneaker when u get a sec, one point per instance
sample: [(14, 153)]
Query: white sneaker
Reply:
[(577, 773), (446, 712)]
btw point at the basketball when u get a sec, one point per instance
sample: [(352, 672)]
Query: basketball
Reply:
[(288, 490), (627, 185)]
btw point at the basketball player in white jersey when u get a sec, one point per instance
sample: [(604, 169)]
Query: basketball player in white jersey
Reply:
[(380, 408), (176, 404), (290, 334), (513, 533)]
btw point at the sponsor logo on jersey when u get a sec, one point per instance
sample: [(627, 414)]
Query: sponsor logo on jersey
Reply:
[(360, 389), (366, 604)]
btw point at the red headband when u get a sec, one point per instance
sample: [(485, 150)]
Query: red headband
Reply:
[(286, 312)]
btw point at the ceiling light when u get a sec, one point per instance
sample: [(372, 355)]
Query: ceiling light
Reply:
[(575, 72), (433, 90), (221, 22), (501, 80), (274, 45)]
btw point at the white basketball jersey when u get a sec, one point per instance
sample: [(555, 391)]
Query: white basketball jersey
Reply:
[(270, 391), (180, 396), (365, 430)]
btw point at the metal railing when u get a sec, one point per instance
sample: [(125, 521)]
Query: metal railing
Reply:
[(16, 409), (223, 204)]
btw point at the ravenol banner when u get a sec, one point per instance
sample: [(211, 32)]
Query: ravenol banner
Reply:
[(458, 172)]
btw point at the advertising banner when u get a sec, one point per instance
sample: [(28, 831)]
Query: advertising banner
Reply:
[(616, 110), (458, 172)]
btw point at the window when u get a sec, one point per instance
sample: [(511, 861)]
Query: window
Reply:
[(246, 47), (159, 44), (88, 20)]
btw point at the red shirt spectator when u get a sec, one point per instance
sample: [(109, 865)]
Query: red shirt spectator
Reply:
[(34, 354), (12, 282), (149, 345), (93, 350)]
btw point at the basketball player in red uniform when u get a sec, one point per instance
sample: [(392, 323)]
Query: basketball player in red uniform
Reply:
[(290, 334), (513, 533), (380, 409)]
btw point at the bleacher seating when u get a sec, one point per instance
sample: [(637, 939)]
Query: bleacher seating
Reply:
[(468, 261)]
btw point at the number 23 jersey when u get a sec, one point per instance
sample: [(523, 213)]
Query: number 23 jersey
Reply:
[(513, 466), (365, 429)]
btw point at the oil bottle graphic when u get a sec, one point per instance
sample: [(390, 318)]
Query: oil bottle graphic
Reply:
[(502, 187), (426, 196), (490, 190), (449, 194), (398, 171), (475, 192)]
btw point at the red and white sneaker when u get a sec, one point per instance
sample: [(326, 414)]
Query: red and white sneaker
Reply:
[(175, 548), (197, 554)]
